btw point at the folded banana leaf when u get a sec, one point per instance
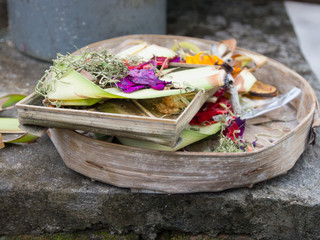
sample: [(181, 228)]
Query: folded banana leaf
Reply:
[(11, 133), (187, 137), (9, 127), (75, 89), (9, 100)]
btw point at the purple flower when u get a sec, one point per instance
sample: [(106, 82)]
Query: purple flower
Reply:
[(241, 125), (141, 78), (235, 128)]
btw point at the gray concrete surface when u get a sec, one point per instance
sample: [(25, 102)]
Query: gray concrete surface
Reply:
[(38, 194), (305, 18)]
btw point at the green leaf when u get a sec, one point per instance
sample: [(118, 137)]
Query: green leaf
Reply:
[(245, 60), (187, 45), (11, 126), (10, 100), (147, 52), (244, 81), (188, 136), (80, 102), (74, 87), (25, 138)]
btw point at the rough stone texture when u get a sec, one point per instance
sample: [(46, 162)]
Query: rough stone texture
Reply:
[(38, 194)]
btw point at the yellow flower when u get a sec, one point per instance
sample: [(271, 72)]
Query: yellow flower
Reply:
[(203, 58)]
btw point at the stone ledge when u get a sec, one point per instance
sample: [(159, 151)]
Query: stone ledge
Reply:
[(40, 195)]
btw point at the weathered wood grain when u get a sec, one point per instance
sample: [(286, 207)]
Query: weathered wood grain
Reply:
[(165, 131)]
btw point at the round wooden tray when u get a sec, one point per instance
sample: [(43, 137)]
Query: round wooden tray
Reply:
[(186, 172)]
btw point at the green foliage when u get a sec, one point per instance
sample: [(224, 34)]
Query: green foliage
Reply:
[(227, 145), (104, 67)]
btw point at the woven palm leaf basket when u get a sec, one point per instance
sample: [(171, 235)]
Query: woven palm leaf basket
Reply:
[(281, 135)]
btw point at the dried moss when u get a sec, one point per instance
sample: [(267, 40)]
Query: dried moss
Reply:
[(105, 68)]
